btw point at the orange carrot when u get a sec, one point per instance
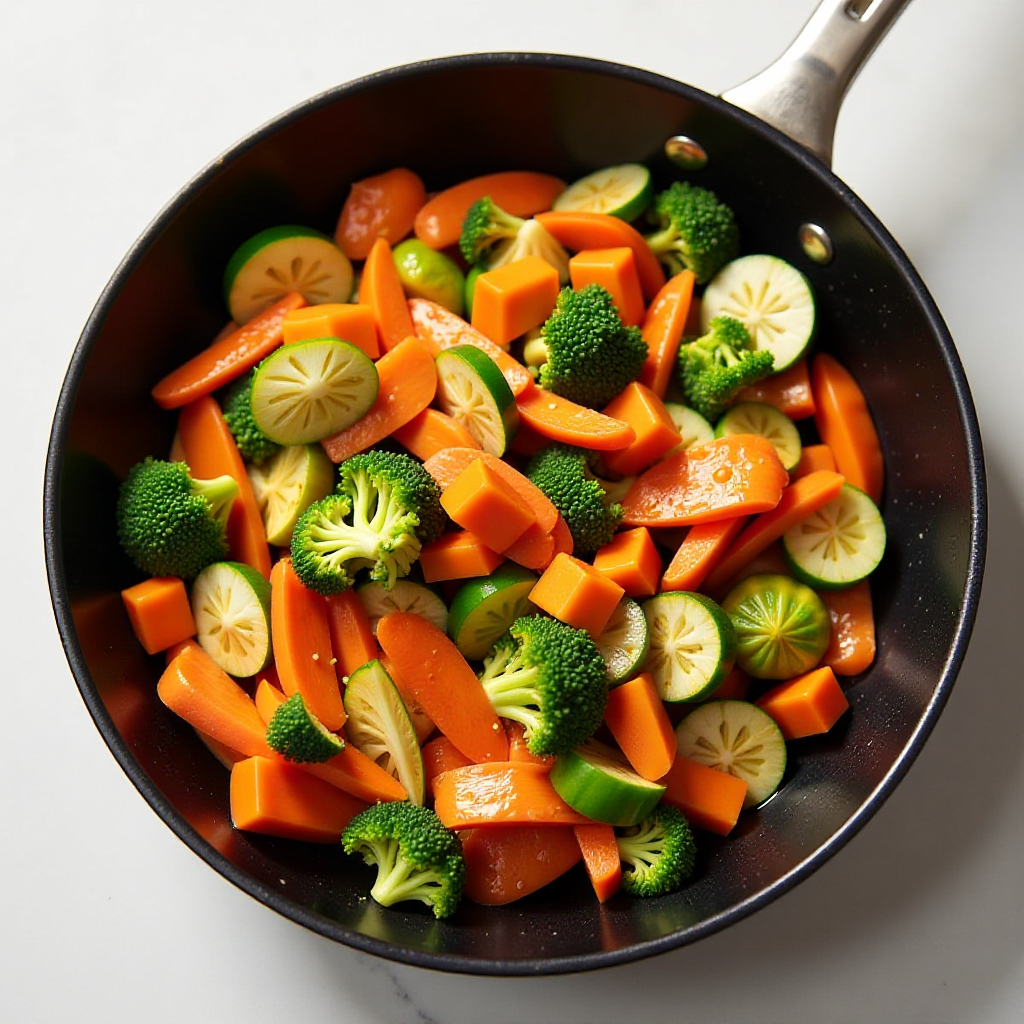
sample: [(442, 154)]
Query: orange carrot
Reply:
[(521, 193), (382, 206), (210, 451), (851, 648), (351, 321), (700, 549), (159, 612), (408, 381), (457, 556), (735, 686), (641, 727), (577, 230), (224, 754), (534, 549), (421, 721), (709, 798), (632, 561), (441, 680), (227, 358), (576, 593), (527, 442), (432, 431), (381, 289), (799, 500), (518, 750), (722, 479), (440, 755), (504, 793), (807, 705), (301, 639), (615, 271), (352, 639), (655, 432), (601, 858), (478, 500), (268, 698), (562, 537), (175, 649), (506, 864), (558, 419), (789, 391), (812, 458), (662, 329), (513, 299), (845, 425)]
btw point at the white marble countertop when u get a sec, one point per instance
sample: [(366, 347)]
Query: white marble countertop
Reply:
[(106, 107)]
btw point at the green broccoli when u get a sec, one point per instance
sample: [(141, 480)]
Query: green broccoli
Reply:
[(587, 354), (417, 858), (492, 238), (565, 475), (386, 507), (298, 735), (658, 854), (170, 524), (712, 369), (253, 444), (698, 231), (549, 677)]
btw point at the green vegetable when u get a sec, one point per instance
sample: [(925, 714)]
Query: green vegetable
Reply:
[(298, 735), (658, 854), (254, 446), (712, 369), (549, 677), (623, 191), (231, 608), (403, 596), (767, 422), (386, 507), (693, 428), (428, 274), (485, 608), (624, 641), (170, 524), (698, 231), (417, 858), (493, 238), (473, 391), (287, 484), (469, 290)]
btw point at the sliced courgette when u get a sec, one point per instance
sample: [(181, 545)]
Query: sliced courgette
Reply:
[(624, 642), (622, 191), (426, 273), (298, 735), (485, 607), (473, 391), (287, 484), (231, 609), (404, 596), (768, 422), (693, 428)]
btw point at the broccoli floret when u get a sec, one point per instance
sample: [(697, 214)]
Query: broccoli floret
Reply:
[(658, 854), (170, 524), (712, 369), (253, 444), (387, 506), (549, 677), (565, 475), (588, 355), (298, 735), (698, 231), (417, 858), (491, 237)]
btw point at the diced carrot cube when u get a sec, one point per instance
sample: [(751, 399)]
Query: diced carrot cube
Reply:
[(614, 270), (350, 321), (632, 561), (159, 612), (457, 556), (478, 500), (656, 434), (812, 458), (509, 300), (709, 798), (640, 724), (577, 594), (807, 705)]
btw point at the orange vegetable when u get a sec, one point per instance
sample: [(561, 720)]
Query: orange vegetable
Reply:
[(430, 432), (268, 699), (381, 289), (421, 721), (478, 500), (789, 391), (709, 798), (812, 458), (382, 206), (641, 727), (577, 229), (277, 799), (457, 556), (505, 864), (577, 594), (558, 419), (735, 686), (407, 385), (663, 328), (175, 649), (512, 299), (601, 858), (799, 500), (227, 358), (632, 561), (441, 680), (210, 451), (440, 755), (725, 478), (350, 321), (807, 705), (533, 549), (352, 639), (528, 442), (695, 557), (851, 648), (301, 638), (504, 793), (655, 432), (224, 754), (518, 750), (159, 612), (521, 193), (615, 271), (845, 425), (562, 537)]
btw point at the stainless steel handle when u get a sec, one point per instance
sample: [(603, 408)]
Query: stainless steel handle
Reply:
[(800, 94)]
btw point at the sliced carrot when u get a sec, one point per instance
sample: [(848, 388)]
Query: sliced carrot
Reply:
[(351, 321), (175, 649), (807, 705), (210, 451), (845, 425), (615, 271), (695, 557), (440, 755), (432, 431), (159, 612), (518, 750), (735, 686), (224, 754), (812, 458), (722, 479), (562, 537), (577, 594), (655, 432), (408, 381), (521, 193), (268, 699), (577, 229), (382, 206), (381, 289), (441, 680), (457, 556), (601, 859), (352, 639), (709, 798), (789, 391), (513, 299), (504, 793), (663, 328), (632, 561), (227, 358), (478, 500), (301, 638), (802, 498), (640, 724), (534, 549), (851, 648), (506, 864), (558, 419), (421, 721)]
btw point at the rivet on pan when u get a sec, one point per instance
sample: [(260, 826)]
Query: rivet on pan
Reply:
[(685, 153), (816, 244)]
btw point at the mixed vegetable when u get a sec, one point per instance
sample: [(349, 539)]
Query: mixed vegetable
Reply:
[(541, 546)]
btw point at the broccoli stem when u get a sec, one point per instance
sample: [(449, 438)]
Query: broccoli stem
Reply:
[(220, 492), (512, 690), (397, 879), (643, 848)]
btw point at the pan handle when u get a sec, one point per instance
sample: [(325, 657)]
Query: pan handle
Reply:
[(801, 92)]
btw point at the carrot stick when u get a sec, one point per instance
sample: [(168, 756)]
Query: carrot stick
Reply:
[(798, 501), (210, 451), (533, 549), (432, 431), (408, 381), (700, 549), (440, 679), (382, 206), (352, 639), (558, 419), (641, 727), (505, 864), (600, 858), (709, 798), (226, 358), (789, 391), (562, 537), (808, 705), (479, 501), (812, 458), (722, 479), (521, 193), (662, 329), (851, 649), (380, 288), (440, 755)]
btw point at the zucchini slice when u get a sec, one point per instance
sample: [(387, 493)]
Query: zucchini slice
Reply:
[(485, 608), (404, 596), (473, 391), (624, 642), (767, 422), (231, 609), (622, 191), (693, 428), (287, 484)]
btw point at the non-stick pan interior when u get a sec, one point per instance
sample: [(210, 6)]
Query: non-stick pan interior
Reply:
[(449, 120)]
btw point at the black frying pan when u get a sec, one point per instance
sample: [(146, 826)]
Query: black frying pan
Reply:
[(462, 116)]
